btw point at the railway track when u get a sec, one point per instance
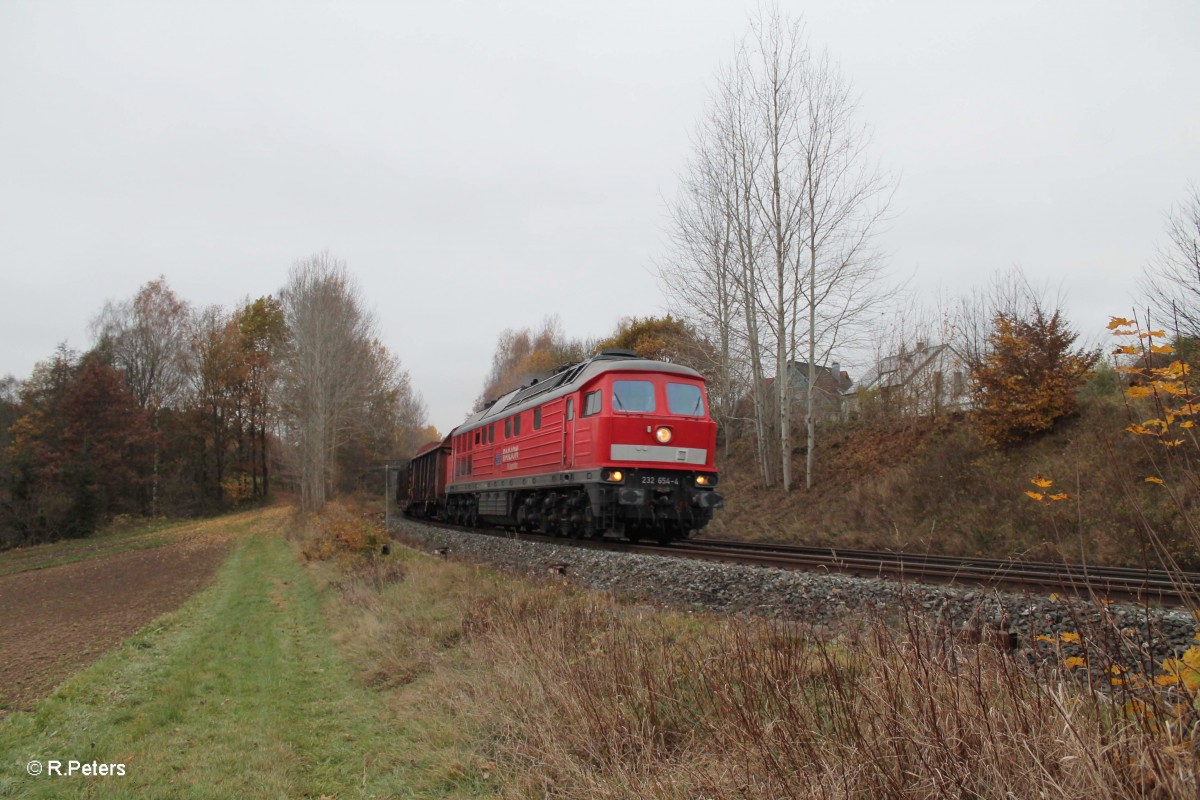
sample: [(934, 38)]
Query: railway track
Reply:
[(1107, 583), (1104, 582)]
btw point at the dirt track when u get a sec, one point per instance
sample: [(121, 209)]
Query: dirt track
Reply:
[(55, 621)]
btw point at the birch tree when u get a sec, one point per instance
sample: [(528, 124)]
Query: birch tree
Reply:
[(712, 275), (327, 372), (843, 198), (780, 201)]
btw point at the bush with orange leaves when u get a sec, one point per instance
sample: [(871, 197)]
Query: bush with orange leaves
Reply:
[(338, 530), (1029, 377)]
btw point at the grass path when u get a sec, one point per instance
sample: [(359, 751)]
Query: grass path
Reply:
[(240, 693)]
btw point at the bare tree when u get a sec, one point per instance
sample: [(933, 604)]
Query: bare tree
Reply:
[(843, 198), (147, 338), (719, 246), (780, 203), (1173, 277), (327, 374), (701, 279)]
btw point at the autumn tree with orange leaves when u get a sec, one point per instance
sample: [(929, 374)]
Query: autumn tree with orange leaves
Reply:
[(525, 355), (1028, 376)]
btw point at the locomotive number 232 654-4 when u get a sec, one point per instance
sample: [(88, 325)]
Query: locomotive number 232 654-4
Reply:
[(661, 480)]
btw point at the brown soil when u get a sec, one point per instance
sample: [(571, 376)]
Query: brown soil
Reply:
[(58, 620)]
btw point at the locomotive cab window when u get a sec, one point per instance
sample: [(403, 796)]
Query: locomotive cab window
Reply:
[(508, 427), (633, 396), (685, 399), (591, 403), (537, 418), (517, 425), (492, 433), (570, 408)]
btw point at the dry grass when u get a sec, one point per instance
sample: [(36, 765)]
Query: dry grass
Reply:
[(606, 702), (933, 486), (563, 693)]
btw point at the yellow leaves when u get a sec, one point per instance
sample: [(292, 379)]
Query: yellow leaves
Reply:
[(1162, 349), (1191, 657), (1155, 479), (1170, 442), (1127, 350), (1045, 483), (1140, 430), (1054, 597), (1070, 638), (1183, 671), (1140, 391), (1186, 424), (1120, 322), (1152, 334), (1074, 662), (1174, 371)]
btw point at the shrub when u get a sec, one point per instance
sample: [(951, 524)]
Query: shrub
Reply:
[(1029, 378)]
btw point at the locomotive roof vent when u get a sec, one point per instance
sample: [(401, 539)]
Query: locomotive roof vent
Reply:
[(618, 354)]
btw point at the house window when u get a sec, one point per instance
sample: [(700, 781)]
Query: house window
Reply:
[(537, 418), (591, 403)]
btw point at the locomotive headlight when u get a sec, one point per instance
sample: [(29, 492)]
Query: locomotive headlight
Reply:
[(616, 476), (663, 435), (702, 480)]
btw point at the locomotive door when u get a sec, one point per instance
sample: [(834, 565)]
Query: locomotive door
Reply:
[(568, 454)]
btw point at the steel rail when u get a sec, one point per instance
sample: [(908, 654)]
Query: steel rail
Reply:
[(1106, 583)]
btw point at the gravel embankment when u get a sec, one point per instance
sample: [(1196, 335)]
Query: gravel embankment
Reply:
[(818, 599)]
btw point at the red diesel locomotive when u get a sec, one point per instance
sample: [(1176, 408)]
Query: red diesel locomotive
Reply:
[(615, 445)]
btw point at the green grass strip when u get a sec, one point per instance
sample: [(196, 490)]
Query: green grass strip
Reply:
[(239, 693)]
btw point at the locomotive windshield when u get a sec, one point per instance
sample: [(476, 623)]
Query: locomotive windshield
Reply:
[(633, 396), (685, 399)]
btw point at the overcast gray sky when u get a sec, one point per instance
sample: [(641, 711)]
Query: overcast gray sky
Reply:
[(480, 165)]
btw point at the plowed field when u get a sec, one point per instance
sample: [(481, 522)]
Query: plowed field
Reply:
[(55, 621)]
